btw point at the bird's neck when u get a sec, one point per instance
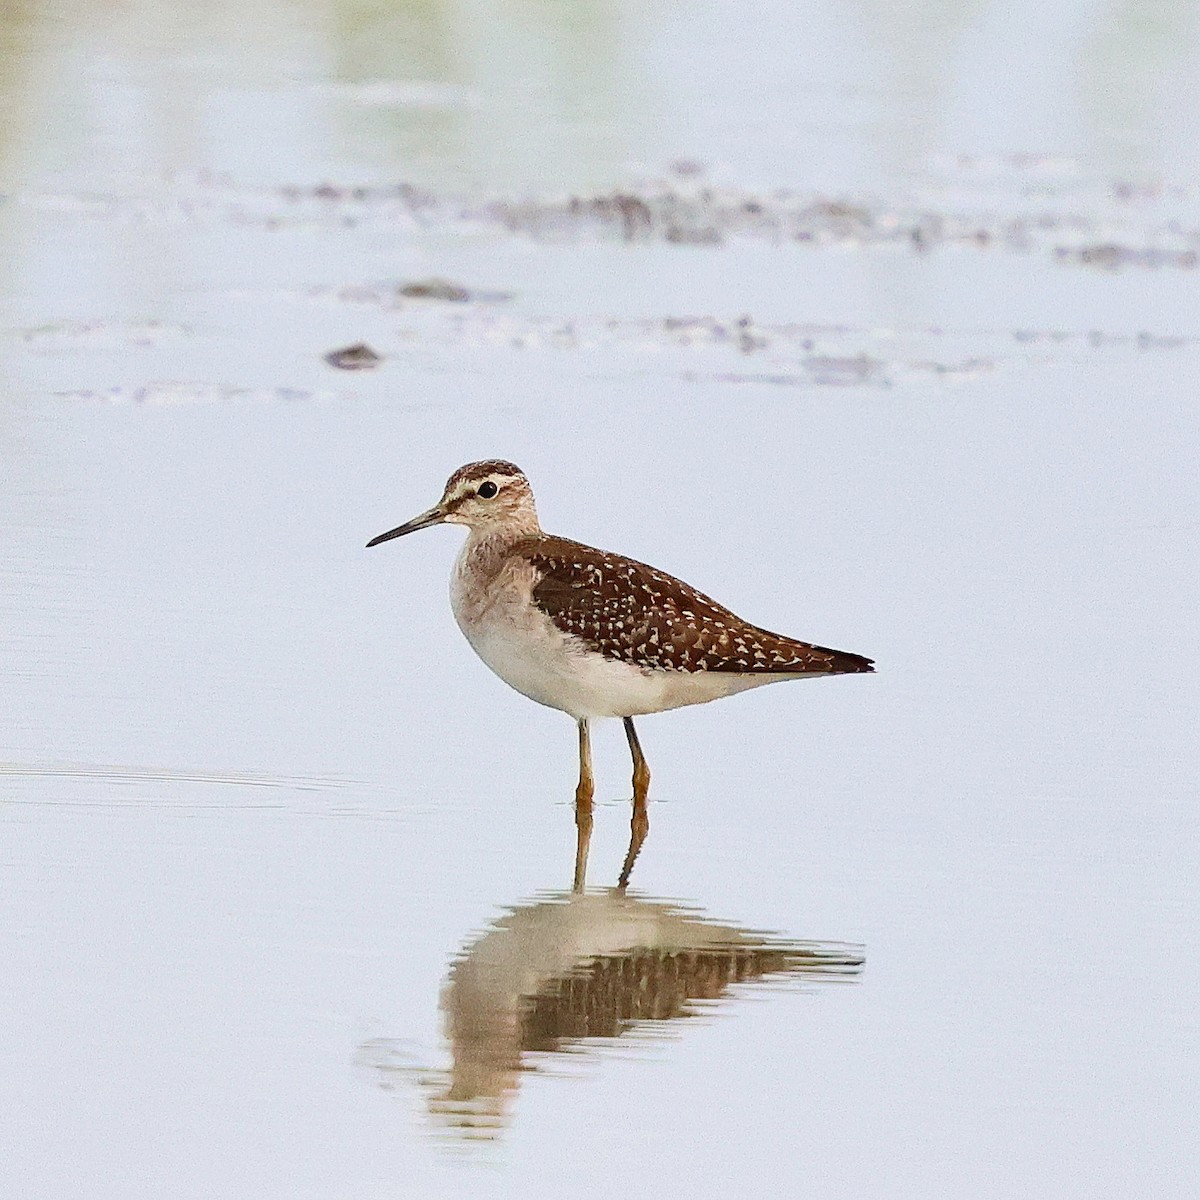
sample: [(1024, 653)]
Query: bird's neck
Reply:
[(486, 547)]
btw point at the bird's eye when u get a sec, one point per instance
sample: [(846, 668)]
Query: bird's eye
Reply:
[(488, 489)]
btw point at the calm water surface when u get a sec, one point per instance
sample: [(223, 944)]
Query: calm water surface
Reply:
[(840, 315)]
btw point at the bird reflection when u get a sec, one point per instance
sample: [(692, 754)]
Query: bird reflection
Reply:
[(570, 971)]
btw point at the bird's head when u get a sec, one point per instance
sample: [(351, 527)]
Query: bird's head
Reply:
[(488, 496)]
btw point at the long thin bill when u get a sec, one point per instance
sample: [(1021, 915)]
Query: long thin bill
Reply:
[(434, 516)]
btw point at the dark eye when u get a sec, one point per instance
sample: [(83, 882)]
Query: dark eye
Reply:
[(488, 489)]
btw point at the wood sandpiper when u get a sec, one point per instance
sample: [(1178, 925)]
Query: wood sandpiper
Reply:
[(595, 634)]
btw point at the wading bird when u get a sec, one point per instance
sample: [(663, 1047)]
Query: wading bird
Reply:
[(595, 634)]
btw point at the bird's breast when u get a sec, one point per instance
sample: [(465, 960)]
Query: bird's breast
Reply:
[(492, 598)]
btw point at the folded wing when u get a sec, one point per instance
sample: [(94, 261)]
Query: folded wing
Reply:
[(629, 611)]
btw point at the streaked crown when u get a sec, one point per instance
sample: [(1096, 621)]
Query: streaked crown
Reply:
[(490, 492)]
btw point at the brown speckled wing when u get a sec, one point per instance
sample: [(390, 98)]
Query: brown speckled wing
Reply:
[(628, 611)]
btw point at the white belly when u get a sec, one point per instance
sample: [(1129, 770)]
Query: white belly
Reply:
[(526, 650), (524, 647)]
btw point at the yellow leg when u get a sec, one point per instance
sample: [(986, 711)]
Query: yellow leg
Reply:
[(641, 787), (583, 805)]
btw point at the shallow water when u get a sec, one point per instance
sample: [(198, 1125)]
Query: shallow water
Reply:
[(828, 314)]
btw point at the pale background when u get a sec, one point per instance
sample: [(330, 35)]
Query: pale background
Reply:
[(258, 793)]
